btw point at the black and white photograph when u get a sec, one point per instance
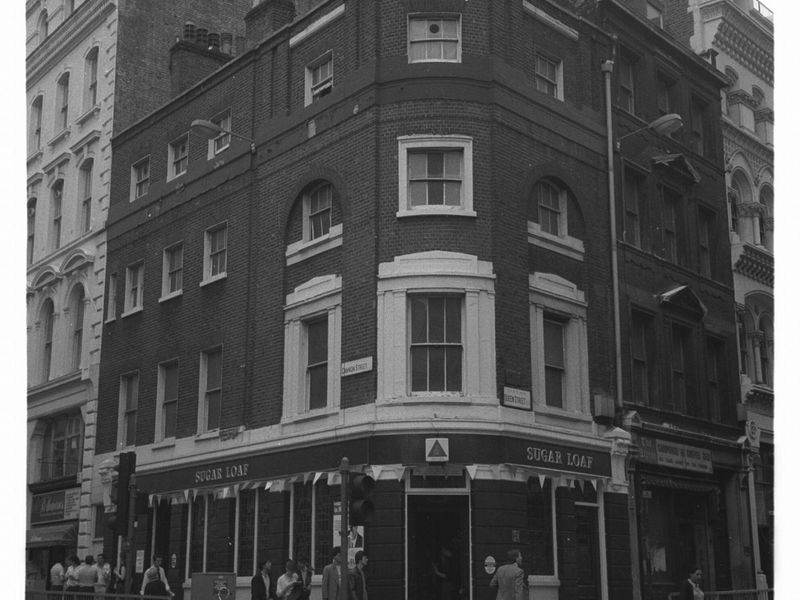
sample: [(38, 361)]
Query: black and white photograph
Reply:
[(399, 300)]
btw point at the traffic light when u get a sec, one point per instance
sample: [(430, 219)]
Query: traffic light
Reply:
[(125, 468), (361, 506)]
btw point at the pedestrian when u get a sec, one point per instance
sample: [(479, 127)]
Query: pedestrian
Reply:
[(334, 579), (289, 586), (510, 578), (304, 574), (690, 588), (155, 575), (262, 585), (119, 577), (358, 580), (57, 576), (445, 571), (103, 575), (71, 576), (87, 576)]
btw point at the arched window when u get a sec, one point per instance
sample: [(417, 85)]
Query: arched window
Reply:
[(63, 441), (31, 228), (552, 208), (41, 26), (56, 196), (317, 211), (765, 218), (742, 196), (35, 139), (90, 97), (69, 7), (765, 351), (62, 102), (76, 312), (85, 191), (47, 317)]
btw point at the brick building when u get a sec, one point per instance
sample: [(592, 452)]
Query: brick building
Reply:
[(402, 255), (86, 61)]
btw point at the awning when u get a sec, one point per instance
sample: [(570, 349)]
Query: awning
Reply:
[(63, 534)]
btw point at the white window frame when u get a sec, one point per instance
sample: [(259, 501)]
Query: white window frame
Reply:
[(124, 413), (91, 69), (315, 91), (429, 19), (410, 143), (160, 398), (166, 292), (307, 247), (111, 301), (134, 305), (320, 296), (428, 343), (140, 183), (222, 141), (62, 98), (202, 409), (427, 273), (563, 243), (551, 295), (85, 176), (178, 157), (57, 216), (558, 82), (655, 14), (207, 258)]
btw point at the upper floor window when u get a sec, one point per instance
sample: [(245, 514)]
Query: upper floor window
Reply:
[(317, 211), (76, 311), (665, 91), (140, 178), (62, 447), (210, 390), (548, 223), (128, 408), (434, 39), (215, 257), (90, 99), (680, 359), (172, 271), (642, 356), (634, 197), (178, 156), (111, 298), (312, 347), (553, 330), (42, 26), (56, 197), (548, 76), (670, 234), (319, 78), (85, 190), (764, 218), (47, 319), (435, 175), (699, 134), (167, 400), (655, 14), (134, 287), (222, 140), (704, 236), (552, 205), (715, 361), (626, 90), (35, 139), (69, 7), (435, 344), (62, 100), (764, 348), (31, 229)]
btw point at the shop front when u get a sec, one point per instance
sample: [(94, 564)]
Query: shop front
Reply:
[(454, 503), (53, 534)]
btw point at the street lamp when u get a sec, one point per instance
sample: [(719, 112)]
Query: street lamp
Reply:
[(211, 130), (663, 125)]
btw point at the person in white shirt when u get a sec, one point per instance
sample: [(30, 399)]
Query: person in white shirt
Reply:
[(57, 576), (156, 573), (103, 575), (289, 585)]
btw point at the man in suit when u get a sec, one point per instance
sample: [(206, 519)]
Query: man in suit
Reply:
[(358, 581), (334, 578), (510, 578), (262, 585)]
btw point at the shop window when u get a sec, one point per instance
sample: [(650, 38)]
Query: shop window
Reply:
[(197, 538), (540, 557), (442, 305), (220, 534), (436, 39), (559, 355), (247, 555), (435, 175), (312, 348), (62, 447), (302, 520), (325, 498)]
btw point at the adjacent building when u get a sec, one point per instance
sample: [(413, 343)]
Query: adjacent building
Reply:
[(86, 62)]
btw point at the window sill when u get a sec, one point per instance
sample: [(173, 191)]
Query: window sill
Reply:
[(132, 311), (94, 110), (110, 320), (310, 415), (178, 176), (302, 250), (207, 435), (36, 155), (561, 413), (428, 211), (171, 295), (167, 443), (432, 60), (212, 154), (135, 198), (62, 135), (429, 397), (211, 280), (567, 246)]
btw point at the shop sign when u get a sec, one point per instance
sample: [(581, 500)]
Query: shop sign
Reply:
[(516, 398), (489, 564), (437, 450), (56, 506), (222, 473), (558, 457), (676, 456), (360, 365)]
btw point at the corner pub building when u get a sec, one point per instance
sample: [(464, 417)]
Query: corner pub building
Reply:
[(400, 255)]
